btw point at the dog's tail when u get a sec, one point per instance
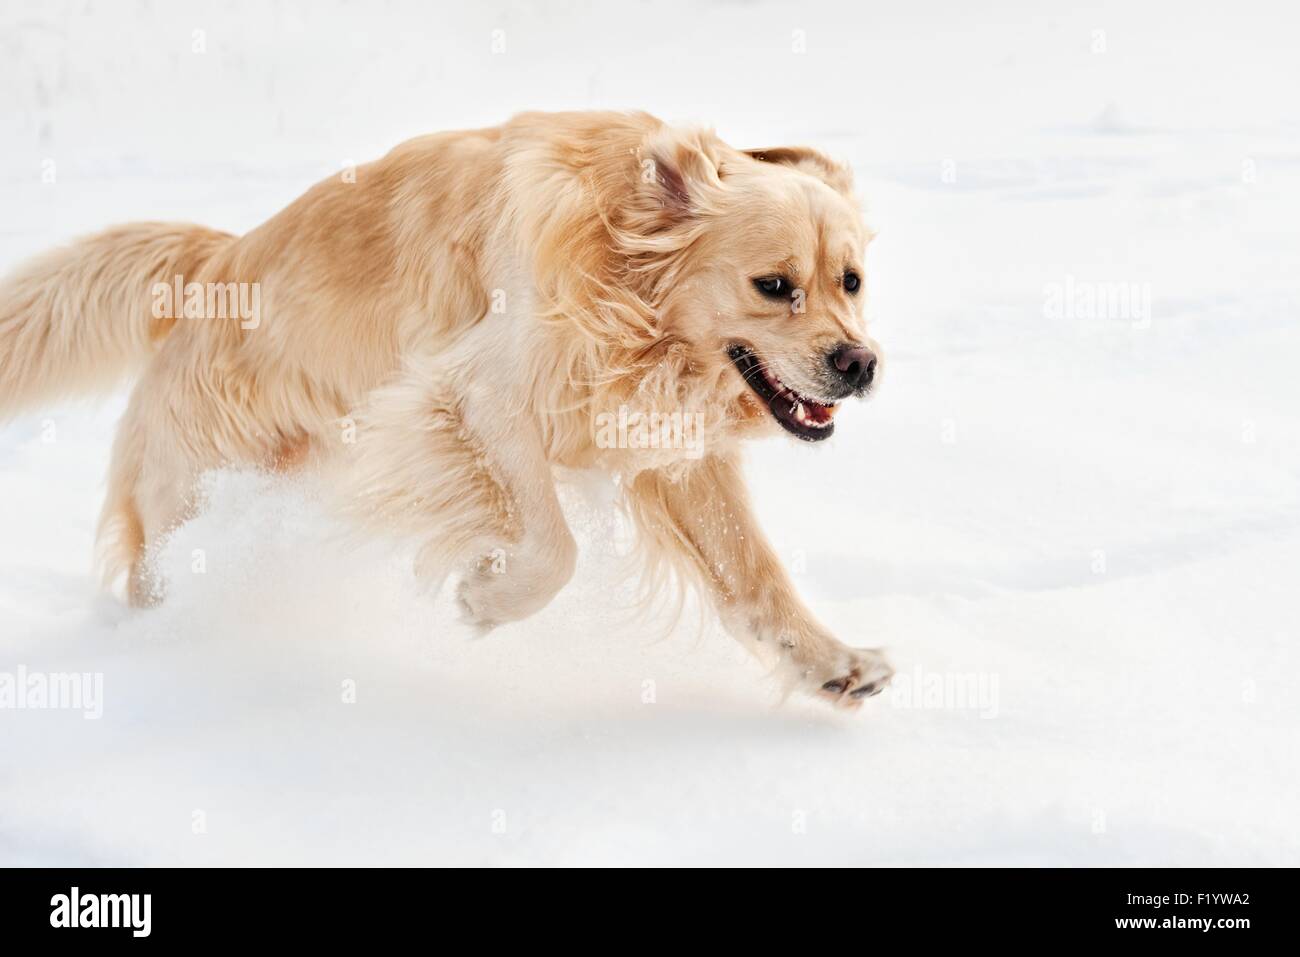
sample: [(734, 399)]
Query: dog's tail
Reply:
[(77, 319)]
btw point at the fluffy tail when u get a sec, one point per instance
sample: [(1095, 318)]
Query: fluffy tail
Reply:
[(79, 318)]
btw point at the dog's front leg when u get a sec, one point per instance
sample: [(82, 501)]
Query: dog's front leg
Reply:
[(470, 481), (702, 521)]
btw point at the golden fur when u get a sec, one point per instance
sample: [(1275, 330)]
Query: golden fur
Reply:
[(442, 329)]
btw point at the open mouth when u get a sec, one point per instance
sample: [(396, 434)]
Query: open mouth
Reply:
[(799, 415)]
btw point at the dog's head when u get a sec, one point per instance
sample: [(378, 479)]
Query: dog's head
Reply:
[(765, 277)]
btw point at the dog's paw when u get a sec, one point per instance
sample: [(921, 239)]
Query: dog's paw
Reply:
[(850, 677), (471, 606), (504, 586)]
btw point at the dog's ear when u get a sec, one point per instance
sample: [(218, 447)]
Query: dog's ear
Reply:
[(835, 175), (678, 173)]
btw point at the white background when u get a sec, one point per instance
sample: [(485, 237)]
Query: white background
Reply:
[(1098, 514)]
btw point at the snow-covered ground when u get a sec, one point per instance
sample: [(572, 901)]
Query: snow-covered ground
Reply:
[(1076, 495)]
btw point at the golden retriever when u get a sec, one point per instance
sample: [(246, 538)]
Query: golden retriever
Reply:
[(435, 331)]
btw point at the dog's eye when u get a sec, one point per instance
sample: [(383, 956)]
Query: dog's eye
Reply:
[(851, 281), (774, 287)]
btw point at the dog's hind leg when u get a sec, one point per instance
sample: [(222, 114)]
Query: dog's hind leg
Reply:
[(474, 487), (122, 536), (149, 490), (179, 424), (702, 524), (120, 544)]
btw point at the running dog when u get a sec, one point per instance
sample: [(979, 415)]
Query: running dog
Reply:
[(436, 331)]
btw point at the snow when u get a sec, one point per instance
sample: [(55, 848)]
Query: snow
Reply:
[(1087, 519)]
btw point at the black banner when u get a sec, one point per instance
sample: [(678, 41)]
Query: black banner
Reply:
[(90, 907)]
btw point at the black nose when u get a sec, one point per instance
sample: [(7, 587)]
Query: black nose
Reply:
[(855, 365)]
